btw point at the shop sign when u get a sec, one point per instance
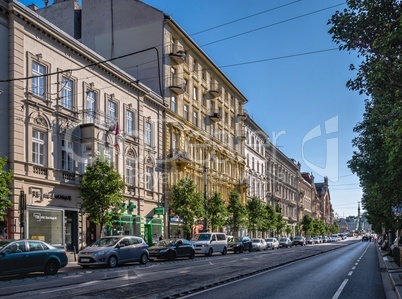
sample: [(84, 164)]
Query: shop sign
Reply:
[(159, 211)]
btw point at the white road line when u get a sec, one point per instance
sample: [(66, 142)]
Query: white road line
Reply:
[(339, 291), (350, 273)]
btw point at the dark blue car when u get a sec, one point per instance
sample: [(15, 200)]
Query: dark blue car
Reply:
[(24, 256)]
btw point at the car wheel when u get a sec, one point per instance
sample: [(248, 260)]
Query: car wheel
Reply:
[(250, 249), (143, 259), (171, 255), (52, 267), (241, 249), (192, 254), (112, 262), (210, 251), (225, 250)]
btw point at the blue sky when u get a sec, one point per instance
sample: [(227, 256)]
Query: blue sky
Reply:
[(299, 99)]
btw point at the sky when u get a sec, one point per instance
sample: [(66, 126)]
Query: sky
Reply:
[(279, 54)]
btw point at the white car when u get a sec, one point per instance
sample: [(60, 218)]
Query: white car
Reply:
[(272, 243), (259, 244)]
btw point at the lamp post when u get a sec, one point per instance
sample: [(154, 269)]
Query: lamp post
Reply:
[(205, 192)]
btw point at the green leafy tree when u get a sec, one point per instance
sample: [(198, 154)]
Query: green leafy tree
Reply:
[(217, 211), (5, 179), (269, 218), (187, 202), (288, 229), (255, 211), (334, 228), (307, 224), (101, 193), (237, 213), (280, 222), (373, 30)]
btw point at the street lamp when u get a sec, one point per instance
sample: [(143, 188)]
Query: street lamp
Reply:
[(205, 191)]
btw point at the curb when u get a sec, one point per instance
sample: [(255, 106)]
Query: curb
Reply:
[(390, 273)]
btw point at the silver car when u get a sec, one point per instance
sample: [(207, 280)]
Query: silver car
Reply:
[(272, 243), (114, 250)]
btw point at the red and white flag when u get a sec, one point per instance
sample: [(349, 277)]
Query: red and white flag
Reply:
[(116, 134)]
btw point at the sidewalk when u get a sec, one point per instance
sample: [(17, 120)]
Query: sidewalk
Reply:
[(391, 274)]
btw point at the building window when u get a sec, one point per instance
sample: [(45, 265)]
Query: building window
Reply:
[(212, 128), (173, 103), (130, 123), (195, 93), (67, 161), (90, 106), (106, 152), (175, 140), (195, 66), (149, 178), (111, 112), (67, 93), (195, 118), (185, 113), (130, 172), (204, 97), (38, 80), (38, 147), (204, 123), (148, 133)]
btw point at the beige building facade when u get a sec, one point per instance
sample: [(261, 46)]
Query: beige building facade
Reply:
[(65, 105)]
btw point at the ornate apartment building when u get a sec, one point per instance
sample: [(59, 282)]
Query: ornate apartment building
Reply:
[(256, 172), (62, 105), (307, 197), (203, 124), (282, 184)]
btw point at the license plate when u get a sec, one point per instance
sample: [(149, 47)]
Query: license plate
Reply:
[(85, 260)]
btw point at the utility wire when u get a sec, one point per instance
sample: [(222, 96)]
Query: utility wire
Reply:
[(243, 18)]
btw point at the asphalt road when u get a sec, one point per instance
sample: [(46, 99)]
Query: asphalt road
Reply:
[(183, 277)]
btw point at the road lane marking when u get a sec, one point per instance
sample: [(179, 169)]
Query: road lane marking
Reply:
[(339, 291), (350, 273)]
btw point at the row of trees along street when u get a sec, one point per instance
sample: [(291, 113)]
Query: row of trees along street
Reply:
[(102, 202), (372, 29)]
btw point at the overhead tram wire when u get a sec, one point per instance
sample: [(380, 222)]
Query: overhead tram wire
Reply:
[(244, 18), (244, 63)]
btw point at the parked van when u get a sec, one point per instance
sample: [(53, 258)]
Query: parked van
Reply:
[(208, 243)]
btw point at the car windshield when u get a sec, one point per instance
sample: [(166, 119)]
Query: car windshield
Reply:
[(256, 241), (298, 238), (3, 243), (166, 242), (106, 242), (236, 239), (201, 237), (284, 240), (270, 240)]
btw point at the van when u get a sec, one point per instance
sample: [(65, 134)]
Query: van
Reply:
[(208, 243)]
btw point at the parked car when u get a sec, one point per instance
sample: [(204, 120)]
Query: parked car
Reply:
[(24, 256), (114, 250), (317, 240), (208, 243), (240, 244), (259, 244), (311, 241), (285, 243), (299, 240), (272, 243), (325, 239), (169, 249)]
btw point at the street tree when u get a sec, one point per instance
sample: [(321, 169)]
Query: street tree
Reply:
[(255, 212), (216, 211), (237, 213), (372, 29), (187, 203), (5, 179), (101, 193), (280, 222), (307, 224), (269, 218)]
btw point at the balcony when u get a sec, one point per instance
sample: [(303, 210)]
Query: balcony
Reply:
[(242, 115), (97, 118), (177, 54), (177, 85), (214, 89), (215, 115), (179, 156), (244, 183), (242, 136)]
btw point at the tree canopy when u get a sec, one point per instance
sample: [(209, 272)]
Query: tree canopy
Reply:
[(101, 193), (237, 213), (5, 179), (373, 30), (217, 212), (187, 203)]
